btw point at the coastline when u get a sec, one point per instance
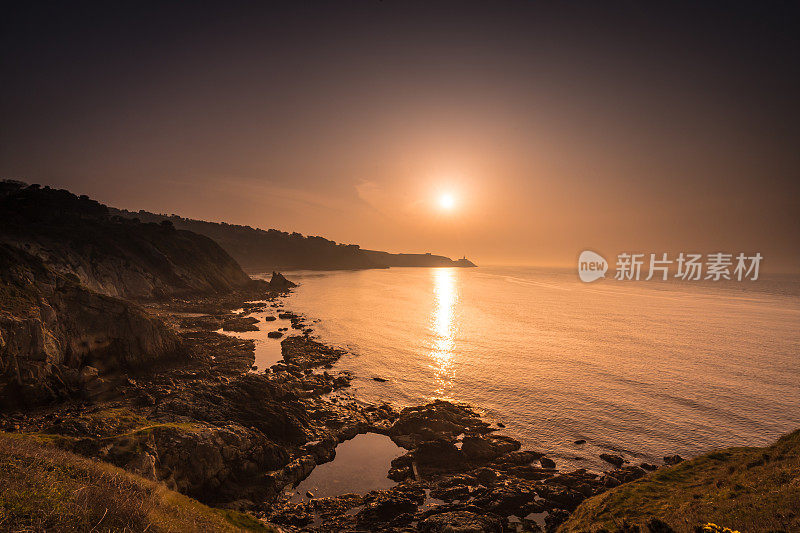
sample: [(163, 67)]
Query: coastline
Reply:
[(445, 443), (207, 426)]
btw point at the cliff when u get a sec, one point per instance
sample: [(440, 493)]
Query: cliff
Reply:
[(69, 277), (265, 250), (52, 329), (115, 256), (415, 260)]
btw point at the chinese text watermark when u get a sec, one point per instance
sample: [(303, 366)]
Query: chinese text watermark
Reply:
[(685, 266)]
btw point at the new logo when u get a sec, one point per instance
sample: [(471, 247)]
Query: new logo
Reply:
[(591, 266)]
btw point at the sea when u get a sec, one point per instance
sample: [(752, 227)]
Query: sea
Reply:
[(640, 369)]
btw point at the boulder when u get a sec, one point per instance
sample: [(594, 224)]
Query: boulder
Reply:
[(487, 448), (438, 453), (440, 419), (615, 460), (279, 283), (547, 463), (461, 522), (240, 324)]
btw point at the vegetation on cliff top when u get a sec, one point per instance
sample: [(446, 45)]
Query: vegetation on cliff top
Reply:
[(265, 250), (112, 255), (745, 489), (43, 488)]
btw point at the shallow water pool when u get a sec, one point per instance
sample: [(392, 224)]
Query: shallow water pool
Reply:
[(361, 465)]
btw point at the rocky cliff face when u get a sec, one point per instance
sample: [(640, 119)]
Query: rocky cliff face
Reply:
[(75, 236), (52, 330), (68, 273)]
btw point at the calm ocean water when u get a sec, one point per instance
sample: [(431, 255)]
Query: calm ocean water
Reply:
[(639, 368)]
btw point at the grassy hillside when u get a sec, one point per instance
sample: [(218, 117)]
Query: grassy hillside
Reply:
[(745, 489), (43, 488)]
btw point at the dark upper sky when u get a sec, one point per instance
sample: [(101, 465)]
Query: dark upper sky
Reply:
[(554, 126)]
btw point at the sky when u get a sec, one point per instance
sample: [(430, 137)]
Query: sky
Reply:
[(554, 127)]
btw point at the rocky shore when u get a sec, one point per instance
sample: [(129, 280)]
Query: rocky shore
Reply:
[(208, 426)]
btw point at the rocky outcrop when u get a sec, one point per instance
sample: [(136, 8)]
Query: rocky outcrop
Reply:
[(305, 353), (279, 283), (76, 237), (51, 328), (461, 522)]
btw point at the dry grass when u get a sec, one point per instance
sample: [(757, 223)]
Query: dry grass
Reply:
[(745, 489), (43, 488)]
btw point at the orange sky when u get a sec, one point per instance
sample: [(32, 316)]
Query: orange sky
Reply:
[(556, 130)]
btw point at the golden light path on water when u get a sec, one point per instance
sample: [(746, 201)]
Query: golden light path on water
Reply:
[(443, 328), (650, 368)]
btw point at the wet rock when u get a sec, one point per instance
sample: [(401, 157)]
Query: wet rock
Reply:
[(402, 468), (279, 283), (615, 460), (647, 466), (379, 380), (269, 319), (627, 474), (240, 324), (486, 476), (205, 322), (529, 472), (440, 419), (547, 463), (673, 460), (252, 307), (461, 522), (274, 334), (505, 499), (580, 441), (518, 458), (306, 353), (385, 506), (487, 448), (438, 453)]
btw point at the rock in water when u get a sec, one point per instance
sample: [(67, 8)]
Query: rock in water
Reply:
[(547, 463), (279, 283), (615, 460)]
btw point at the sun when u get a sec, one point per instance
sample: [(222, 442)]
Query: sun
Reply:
[(447, 201)]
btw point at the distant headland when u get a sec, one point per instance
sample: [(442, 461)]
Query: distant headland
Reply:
[(261, 250)]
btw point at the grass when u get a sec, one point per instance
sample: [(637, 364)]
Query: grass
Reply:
[(43, 488), (744, 489)]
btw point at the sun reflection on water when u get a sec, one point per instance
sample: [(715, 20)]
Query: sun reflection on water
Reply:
[(443, 328)]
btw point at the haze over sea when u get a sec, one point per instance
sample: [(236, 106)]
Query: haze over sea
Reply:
[(641, 368)]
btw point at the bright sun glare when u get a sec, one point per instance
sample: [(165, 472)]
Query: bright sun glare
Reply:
[(447, 201)]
